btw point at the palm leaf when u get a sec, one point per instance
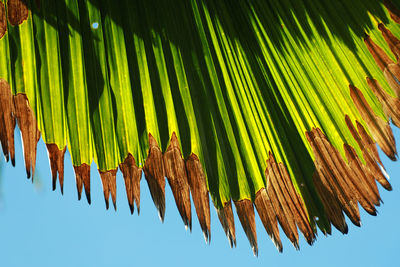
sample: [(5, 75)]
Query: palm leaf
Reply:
[(263, 103)]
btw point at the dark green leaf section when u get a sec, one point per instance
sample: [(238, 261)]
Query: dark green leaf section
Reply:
[(121, 95), (76, 95), (99, 87), (50, 84), (237, 81)]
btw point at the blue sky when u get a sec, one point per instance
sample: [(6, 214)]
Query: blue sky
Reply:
[(40, 227)]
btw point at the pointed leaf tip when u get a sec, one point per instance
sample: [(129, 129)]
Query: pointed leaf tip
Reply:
[(391, 40), (226, 219), (371, 156), (276, 194), (56, 157), (175, 170), (358, 179), (29, 130), (368, 143), (108, 179), (82, 176), (331, 204), (334, 175), (245, 211), (154, 174), (268, 217), (132, 175), (368, 154), (7, 121), (198, 187), (390, 69), (390, 105), (379, 55), (379, 128)]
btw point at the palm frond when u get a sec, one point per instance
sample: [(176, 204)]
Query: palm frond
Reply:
[(272, 104)]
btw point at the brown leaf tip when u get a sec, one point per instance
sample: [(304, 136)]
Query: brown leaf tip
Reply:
[(198, 187), (108, 179), (225, 216), (56, 157), (175, 170), (390, 105), (391, 70), (391, 40), (379, 55), (155, 176), (7, 121), (288, 205), (132, 175), (379, 128), (245, 211), (333, 209), (82, 176), (17, 11), (29, 131), (372, 157), (268, 217), (340, 185), (358, 179)]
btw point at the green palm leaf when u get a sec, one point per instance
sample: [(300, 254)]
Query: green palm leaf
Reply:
[(263, 103)]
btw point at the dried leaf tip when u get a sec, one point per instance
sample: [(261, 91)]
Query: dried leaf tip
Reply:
[(175, 170), (390, 105), (154, 174), (334, 174), (380, 57), (82, 176), (379, 128), (7, 121), (29, 130), (331, 204), (245, 211), (108, 179), (368, 143), (132, 175), (225, 216), (390, 70), (17, 11), (268, 217), (287, 204), (56, 157), (391, 40), (198, 187), (365, 198), (371, 156)]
